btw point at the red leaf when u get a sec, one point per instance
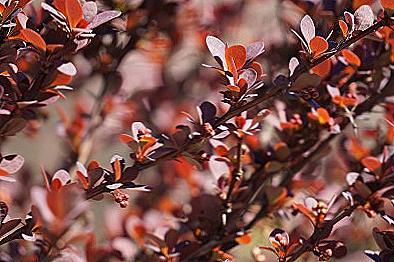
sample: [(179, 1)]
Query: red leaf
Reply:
[(358, 3), (245, 239), (387, 4), (233, 88), (344, 28), (323, 69), (31, 37), (56, 184), (305, 211), (372, 163), (3, 172), (323, 115), (344, 101), (238, 54), (221, 150), (71, 9), (83, 179), (258, 68), (318, 45), (61, 79), (118, 171), (351, 57), (125, 138), (93, 165)]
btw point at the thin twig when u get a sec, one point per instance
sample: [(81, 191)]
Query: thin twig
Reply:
[(237, 174)]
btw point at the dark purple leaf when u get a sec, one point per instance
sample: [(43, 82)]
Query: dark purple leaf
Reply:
[(207, 112)]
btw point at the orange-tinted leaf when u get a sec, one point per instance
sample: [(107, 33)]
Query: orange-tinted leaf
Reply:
[(356, 149), (118, 171), (258, 68), (242, 83), (71, 9), (385, 32), (56, 184), (93, 165), (391, 41), (344, 28), (83, 24), (231, 66), (56, 92), (305, 211), (233, 88), (238, 54), (148, 139), (240, 121), (323, 115), (282, 151), (61, 80), (370, 162), (320, 115), (83, 179), (125, 138), (351, 57), (221, 150), (387, 4), (358, 3), (323, 69), (318, 45), (390, 135), (3, 172), (243, 240), (31, 37), (149, 142), (344, 101), (54, 47)]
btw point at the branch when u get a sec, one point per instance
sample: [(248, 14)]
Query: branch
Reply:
[(236, 176), (365, 106), (277, 90), (320, 233), (273, 92)]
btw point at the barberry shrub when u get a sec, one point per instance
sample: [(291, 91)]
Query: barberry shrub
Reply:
[(130, 130)]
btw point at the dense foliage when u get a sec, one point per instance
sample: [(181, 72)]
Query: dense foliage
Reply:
[(277, 149)]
